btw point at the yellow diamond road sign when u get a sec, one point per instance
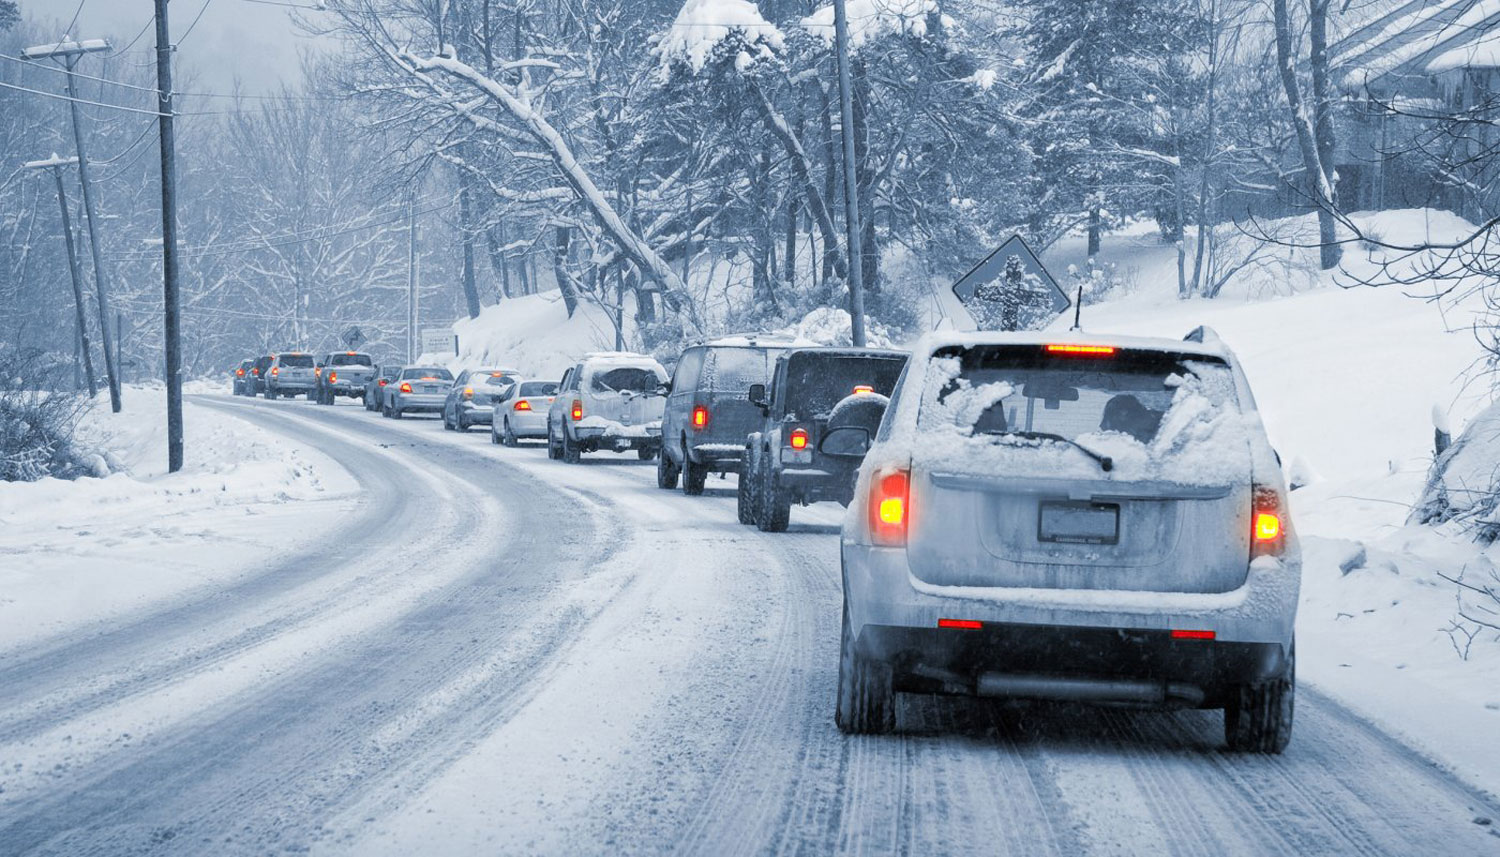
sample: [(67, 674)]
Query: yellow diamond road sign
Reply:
[(1011, 290)]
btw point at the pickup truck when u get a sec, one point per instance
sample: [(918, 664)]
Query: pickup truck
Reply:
[(342, 373)]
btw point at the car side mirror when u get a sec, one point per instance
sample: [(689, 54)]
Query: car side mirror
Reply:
[(758, 396), (846, 442), (664, 388)]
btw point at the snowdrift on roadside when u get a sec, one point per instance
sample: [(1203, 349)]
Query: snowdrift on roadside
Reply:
[(532, 333)]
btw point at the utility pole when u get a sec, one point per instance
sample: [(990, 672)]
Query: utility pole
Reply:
[(411, 280), (67, 53), (851, 181), (55, 164), (171, 309)]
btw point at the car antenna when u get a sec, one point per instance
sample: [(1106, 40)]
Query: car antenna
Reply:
[(1078, 313)]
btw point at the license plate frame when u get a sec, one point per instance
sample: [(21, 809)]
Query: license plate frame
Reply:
[(1078, 522)]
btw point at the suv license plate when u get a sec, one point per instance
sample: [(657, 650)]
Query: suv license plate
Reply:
[(1081, 523)]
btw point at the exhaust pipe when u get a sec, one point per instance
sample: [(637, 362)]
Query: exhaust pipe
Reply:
[(1089, 690)]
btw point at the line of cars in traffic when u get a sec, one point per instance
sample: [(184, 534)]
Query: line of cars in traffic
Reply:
[(1082, 519)]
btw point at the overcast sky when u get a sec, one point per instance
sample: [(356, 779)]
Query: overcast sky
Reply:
[(254, 43)]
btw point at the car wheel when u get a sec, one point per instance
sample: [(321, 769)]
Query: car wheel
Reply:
[(666, 472), (554, 449), (775, 511), (570, 451), (743, 499), (866, 702), (693, 477), (1258, 717), (646, 453), (459, 424), (508, 436), (395, 412)]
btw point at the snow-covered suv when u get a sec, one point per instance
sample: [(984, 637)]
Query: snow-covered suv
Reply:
[(609, 400), (1097, 520)]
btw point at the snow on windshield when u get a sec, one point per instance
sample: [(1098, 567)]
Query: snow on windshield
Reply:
[(1015, 412), (634, 379), (733, 370)]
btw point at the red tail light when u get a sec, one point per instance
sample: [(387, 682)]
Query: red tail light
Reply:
[(1267, 536), (577, 410), (405, 387), (333, 377), (317, 371), (798, 439), (255, 371), (890, 513), (962, 624), (522, 405), (275, 370), (468, 392), (239, 373), (1083, 350), (382, 382), (700, 417)]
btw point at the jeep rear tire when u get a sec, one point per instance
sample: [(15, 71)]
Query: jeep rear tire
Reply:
[(694, 476), (554, 449), (571, 454), (744, 498), (1258, 717), (775, 509), (866, 702)]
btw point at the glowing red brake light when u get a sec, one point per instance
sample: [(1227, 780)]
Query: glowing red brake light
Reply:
[(962, 624), (275, 370), (405, 387), (1267, 526), (1087, 350), (522, 405), (890, 494), (1267, 536), (333, 377), (700, 417), (239, 373), (799, 438), (350, 353), (382, 382), (1179, 634), (468, 392), (577, 410)]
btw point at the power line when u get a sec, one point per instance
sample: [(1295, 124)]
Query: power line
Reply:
[(76, 13), (201, 9), (152, 90), (78, 100)]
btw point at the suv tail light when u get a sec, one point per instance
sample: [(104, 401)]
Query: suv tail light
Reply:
[(383, 381), (255, 371), (468, 392), (405, 387), (317, 371), (239, 373), (275, 370), (521, 405), (333, 377), (1267, 535), (700, 417), (890, 507), (798, 439), (577, 410)]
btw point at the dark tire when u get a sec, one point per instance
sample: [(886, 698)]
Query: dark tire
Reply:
[(447, 426), (494, 436), (554, 450), (866, 702), (646, 453), (508, 436), (571, 454), (774, 513), (744, 498), (459, 424), (694, 476), (395, 413), (666, 472), (1258, 717)]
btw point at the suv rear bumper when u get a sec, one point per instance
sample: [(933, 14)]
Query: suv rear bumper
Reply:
[(722, 457), (881, 590)]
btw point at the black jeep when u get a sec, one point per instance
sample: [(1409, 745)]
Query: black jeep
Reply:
[(782, 462)]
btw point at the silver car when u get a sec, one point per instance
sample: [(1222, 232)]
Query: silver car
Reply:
[(522, 412), (1097, 521), (471, 399), (416, 389), (611, 401)]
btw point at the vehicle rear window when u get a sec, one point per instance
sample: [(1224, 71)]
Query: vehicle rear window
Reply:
[(500, 380), (817, 382), (431, 372), (350, 360), (1023, 391), (635, 379), (733, 370), (539, 388), (297, 361)]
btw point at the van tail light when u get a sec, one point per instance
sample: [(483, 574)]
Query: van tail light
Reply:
[(468, 392), (275, 370), (890, 507), (522, 405), (405, 387), (383, 381), (577, 410), (255, 371), (700, 418), (1267, 534), (240, 373), (798, 439), (333, 377)]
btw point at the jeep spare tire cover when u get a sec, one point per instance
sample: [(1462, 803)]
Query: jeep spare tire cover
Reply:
[(864, 410)]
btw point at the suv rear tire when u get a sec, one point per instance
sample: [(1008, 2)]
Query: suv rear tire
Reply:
[(571, 454), (774, 512), (744, 496), (554, 449), (866, 702), (666, 472), (1258, 717), (694, 476)]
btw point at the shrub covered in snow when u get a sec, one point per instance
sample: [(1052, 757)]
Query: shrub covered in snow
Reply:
[(1464, 483), (36, 428)]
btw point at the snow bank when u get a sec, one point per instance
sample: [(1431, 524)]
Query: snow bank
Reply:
[(702, 25), (532, 333), (1465, 481)]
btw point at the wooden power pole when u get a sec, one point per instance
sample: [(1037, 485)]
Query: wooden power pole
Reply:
[(851, 178), (55, 164), (171, 309)]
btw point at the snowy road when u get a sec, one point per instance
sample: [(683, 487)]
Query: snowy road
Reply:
[(497, 653)]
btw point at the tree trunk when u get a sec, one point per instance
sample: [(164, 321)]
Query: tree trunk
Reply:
[(466, 230), (495, 241), (1095, 229), (560, 269), (1319, 187)]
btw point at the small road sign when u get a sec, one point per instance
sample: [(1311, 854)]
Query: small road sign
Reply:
[(1011, 290)]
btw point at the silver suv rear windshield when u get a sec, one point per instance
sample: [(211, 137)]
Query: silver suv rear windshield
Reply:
[(297, 361), (1027, 392)]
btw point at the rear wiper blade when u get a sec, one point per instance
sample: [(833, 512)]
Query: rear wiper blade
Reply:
[(1105, 462)]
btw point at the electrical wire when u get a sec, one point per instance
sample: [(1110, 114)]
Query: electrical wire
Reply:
[(79, 100), (201, 9), (76, 13)]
